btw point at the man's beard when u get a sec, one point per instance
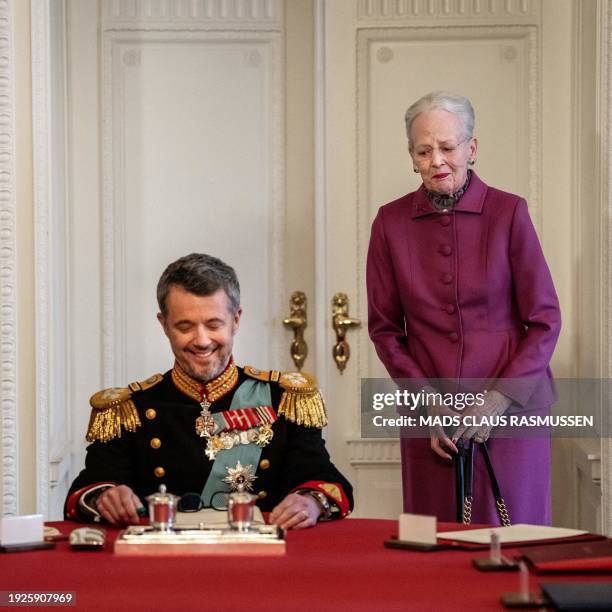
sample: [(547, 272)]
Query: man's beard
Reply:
[(206, 373)]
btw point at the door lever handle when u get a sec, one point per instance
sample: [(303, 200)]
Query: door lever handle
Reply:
[(297, 321), (341, 322)]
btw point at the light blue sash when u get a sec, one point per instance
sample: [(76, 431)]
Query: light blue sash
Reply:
[(249, 394)]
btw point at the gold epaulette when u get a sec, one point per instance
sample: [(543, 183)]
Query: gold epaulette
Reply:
[(301, 402), (113, 409)]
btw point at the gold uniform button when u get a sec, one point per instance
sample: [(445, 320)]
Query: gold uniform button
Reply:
[(150, 414), (264, 464), (262, 494), (155, 442), (159, 472)]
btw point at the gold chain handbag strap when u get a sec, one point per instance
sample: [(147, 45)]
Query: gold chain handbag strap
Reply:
[(467, 510), (464, 462), (504, 517), (464, 470), (500, 504)]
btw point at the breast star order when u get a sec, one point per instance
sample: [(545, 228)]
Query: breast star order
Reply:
[(240, 478)]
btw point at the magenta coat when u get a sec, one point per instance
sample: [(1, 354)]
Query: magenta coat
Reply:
[(467, 294)]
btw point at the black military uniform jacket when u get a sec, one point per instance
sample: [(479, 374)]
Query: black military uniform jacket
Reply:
[(145, 435)]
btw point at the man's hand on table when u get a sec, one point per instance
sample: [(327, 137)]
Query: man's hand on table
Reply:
[(119, 505), (296, 512)]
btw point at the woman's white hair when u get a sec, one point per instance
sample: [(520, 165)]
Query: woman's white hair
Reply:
[(442, 100)]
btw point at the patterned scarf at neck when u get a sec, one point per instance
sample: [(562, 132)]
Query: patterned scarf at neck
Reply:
[(448, 201)]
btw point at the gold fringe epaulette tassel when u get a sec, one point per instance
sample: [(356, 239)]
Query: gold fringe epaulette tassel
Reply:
[(104, 425), (113, 409), (301, 402)]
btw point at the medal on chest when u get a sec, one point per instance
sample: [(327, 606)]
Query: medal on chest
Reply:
[(238, 426), (240, 478), (205, 423)]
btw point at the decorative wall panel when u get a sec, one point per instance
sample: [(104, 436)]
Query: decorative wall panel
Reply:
[(432, 12), (192, 142), (192, 14)]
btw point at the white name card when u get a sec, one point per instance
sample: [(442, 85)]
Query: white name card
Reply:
[(21, 529), (417, 528)]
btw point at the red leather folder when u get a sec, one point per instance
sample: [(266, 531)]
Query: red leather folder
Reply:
[(589, 557)]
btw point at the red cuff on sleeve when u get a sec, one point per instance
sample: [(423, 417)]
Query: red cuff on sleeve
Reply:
[(72, 504), (332, 490)]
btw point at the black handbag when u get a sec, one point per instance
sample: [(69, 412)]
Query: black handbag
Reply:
[(464, 478)]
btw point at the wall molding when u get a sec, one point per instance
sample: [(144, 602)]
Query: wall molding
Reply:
[(192, 14), (41, 138), (9, 456), (109, 374), (322, 355), (374, 452), (605, 112), (278, 173), (50, 237), (433, 12), (586, 245)]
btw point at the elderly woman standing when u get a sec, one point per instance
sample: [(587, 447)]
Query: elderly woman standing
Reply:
[(458, 288)]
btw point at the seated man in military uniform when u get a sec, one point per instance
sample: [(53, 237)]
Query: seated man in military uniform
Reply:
[(208, 426)]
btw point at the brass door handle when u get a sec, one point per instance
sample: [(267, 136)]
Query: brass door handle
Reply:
[(341, 323), (297, 321)]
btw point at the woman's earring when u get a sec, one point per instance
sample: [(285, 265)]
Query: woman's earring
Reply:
[(415, 170), (472, 162)]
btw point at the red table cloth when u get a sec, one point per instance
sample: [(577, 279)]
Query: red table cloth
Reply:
[(341, 565)]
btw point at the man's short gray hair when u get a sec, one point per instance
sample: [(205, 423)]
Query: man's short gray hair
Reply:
[(442, 100), (201, 275)]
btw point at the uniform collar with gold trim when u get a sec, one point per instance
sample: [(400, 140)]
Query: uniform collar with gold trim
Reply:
[(212, 390)]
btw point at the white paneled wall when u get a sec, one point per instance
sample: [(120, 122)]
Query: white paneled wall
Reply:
[(193, 162)]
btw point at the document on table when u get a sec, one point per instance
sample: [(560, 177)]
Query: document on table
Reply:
[(514, 533), (211, 518)]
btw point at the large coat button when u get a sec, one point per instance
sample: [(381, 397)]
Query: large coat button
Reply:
[(453, 336), (445, 249), (150, 414), (264, 464), (445, 220), (449, 308), (262, 494), (159, 472), (447, 278), (155, 443)]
